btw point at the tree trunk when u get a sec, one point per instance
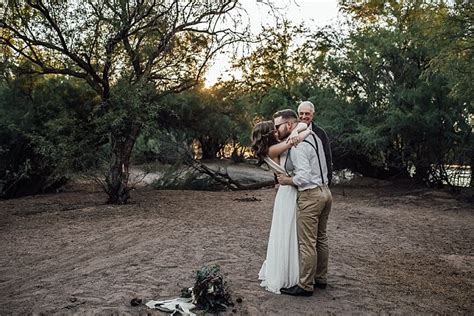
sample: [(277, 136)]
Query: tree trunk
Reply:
[(472, 173), (224, 178), (117, 180), (422, 175), (209, 147)]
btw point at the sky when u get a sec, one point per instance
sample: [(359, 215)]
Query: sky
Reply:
[(315, 13)]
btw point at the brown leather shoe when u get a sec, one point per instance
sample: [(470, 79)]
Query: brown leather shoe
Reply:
[(295, 291)]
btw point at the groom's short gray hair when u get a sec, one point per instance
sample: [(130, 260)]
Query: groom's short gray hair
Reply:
[(286, 114)]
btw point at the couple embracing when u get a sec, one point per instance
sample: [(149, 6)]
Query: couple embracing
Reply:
[(299, 153)]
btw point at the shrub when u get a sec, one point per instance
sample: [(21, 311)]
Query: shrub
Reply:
[(25, 168)]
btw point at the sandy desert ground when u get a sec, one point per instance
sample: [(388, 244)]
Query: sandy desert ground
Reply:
[(394, 249)]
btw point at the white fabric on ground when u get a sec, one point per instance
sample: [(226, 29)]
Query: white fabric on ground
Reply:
[(181, 305)]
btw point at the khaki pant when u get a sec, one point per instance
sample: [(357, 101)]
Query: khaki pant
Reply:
[(314, 206)]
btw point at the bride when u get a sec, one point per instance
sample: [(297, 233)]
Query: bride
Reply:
[(281, 266)]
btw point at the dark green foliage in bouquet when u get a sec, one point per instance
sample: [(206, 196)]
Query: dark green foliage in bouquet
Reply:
[(210, 292)]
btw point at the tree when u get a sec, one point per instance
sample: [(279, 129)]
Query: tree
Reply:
[(455, 63), (45, 125), (202, 118), (274, 69), (130, 52), (400, 114)]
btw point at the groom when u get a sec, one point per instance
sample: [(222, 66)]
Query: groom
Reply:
[(307, 163)]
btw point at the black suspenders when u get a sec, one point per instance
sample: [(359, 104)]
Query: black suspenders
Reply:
[(317, 154)]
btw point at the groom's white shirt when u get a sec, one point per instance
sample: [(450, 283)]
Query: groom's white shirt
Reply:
[(303, 162)]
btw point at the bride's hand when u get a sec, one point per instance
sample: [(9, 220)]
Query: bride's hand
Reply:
[(285, 180), (293, 140)]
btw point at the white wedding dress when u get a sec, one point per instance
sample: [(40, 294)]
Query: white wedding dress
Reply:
[(281, 266)]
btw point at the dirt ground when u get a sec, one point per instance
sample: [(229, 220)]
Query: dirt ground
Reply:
[(393, 249)]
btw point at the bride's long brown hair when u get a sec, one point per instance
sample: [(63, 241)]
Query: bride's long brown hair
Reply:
[(263, 137)]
